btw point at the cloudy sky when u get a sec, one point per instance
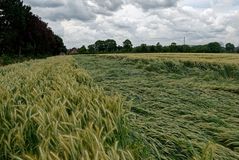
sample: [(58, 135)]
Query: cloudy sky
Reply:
[(82, 22)]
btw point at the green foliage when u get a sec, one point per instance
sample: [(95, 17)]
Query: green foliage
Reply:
[(127, 46), (107, 46), (159, 47), (100, 46), (110, 46), (173, 47), (91, 49), (214, 47), (23, 33), (230, 47), (82, 50), (6, 59)]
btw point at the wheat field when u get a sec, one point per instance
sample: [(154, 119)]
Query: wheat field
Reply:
[(127, 106), (193, 57), (52, 110), (184, 107)]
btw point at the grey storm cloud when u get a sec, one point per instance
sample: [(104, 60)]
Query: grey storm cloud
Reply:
[(88, 9), (72, 9), (106, 7), (45, 3), (152, 4), (111, 5)]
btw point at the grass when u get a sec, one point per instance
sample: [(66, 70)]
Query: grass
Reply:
[(50, 109), (183, 106)]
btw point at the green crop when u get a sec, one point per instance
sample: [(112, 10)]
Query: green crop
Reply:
[(50, 110), (184, 107)]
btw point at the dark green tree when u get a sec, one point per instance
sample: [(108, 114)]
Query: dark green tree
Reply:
[(120, 48), (91, 49), (143, 48), (159, 47), (237, 49), (82, 50), (173, 47), (110, 45), (230, 47), (100, 46), (13, 21), (214, 47), (186, 48), (23, 33), (151, 49), (127, 45), (59, 47)]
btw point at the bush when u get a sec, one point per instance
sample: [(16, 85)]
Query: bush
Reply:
[(6, 59)]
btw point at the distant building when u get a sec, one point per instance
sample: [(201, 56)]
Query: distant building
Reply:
[(72, 51)]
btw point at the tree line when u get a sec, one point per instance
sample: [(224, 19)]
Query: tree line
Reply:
[(23, 33), (110, 46)]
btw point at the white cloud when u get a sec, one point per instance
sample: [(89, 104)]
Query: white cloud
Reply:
[(85, 21)]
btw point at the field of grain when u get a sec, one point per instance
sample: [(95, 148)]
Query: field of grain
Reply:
[(183, 106), (51, 110), (193, 57), (127, 106)]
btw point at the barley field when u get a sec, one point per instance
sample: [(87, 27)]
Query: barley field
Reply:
[(50, 110), (127, 106), (183, 106), (193, 57)]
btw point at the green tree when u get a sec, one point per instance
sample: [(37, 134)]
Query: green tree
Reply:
[(59, 46), (230, 47), (82, 50), (110, 45), (91, 49), (151, 49), (173, 47), (143, 48), (159, 47), (13, 22), (120, 48), (127, 45), (186, 48), (214, 47), (23, 33), (237, 49), (100, 46)]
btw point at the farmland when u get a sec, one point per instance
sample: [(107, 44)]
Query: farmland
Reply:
[(193, 57), (182, 106), (124, 106), (119, 80), (52, 110)]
